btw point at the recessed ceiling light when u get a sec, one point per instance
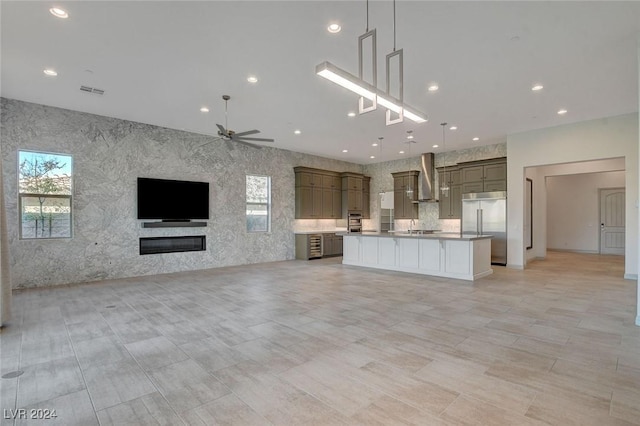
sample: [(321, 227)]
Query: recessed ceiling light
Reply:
[(433, 88), (537, 87), (476, 138), (374, 144), (334, 28), (59, 13), (50, 72), (204, 109), (373, 156), (401, 152), (352, 114), (297, 132), (562, 112), (252, 79), (345, 150), (453, 128), (435, 146)]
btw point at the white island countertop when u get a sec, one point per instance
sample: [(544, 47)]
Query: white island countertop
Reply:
[(434, 236)]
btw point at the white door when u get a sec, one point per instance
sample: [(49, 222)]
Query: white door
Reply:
[(612, 203)]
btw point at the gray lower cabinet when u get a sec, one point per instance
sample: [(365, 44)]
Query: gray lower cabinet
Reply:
[(332, 245), (315, 246)]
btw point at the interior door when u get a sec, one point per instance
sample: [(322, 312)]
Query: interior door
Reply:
[(612, 216)]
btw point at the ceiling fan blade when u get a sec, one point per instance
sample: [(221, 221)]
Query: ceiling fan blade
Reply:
[(247, 144), (247, 133), (222, 130), (254, 139)]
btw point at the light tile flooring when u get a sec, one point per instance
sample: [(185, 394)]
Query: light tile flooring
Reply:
[(320, 343)]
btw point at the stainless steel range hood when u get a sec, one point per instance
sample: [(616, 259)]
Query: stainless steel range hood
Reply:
[(428, 193)]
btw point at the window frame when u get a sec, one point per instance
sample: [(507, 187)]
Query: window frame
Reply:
[(22, 195), (267, 204)]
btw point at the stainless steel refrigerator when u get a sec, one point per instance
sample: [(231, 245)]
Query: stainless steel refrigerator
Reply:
[(485, 213)]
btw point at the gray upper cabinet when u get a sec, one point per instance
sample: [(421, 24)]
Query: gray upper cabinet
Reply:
[(450, 205), (366, 197), (463, 178), (405, 185), (484, 176), (324, 194), (318, 194), (353, 198)]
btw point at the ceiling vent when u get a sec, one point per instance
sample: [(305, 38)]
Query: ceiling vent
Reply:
[(92, 90)]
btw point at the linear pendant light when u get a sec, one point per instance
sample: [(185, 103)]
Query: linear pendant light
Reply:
[(351, 82), (370, 91)]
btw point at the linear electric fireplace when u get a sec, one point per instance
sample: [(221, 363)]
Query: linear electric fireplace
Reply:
[(155, 245)]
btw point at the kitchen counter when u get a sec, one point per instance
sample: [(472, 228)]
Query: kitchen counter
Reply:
[(434, 236), (450, 255), (337, 231)]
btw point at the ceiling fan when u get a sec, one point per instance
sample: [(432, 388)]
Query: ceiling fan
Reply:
[(226, 134)]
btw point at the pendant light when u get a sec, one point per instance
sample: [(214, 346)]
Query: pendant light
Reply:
[(409, 141), (369, 94), (444, 186)]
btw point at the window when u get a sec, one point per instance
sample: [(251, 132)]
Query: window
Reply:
[(44, 194), (258, 203)]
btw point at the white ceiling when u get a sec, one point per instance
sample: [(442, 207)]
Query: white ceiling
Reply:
[(159, 62)]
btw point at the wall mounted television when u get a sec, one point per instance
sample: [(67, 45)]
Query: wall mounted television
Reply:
[(172, 200)]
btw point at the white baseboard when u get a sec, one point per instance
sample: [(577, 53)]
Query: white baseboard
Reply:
[(574, 250), (512, 266), (631, 277)]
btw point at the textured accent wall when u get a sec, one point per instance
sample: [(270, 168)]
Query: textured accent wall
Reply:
[(5, 277), (109, 154), (381, 180)]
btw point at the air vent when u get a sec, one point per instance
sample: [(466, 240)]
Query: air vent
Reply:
[(92, 90)]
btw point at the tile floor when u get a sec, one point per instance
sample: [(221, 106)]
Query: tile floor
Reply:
[(314, 343)]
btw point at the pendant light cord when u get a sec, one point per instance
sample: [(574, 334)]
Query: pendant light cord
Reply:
[(394, 25), (367, 30), (226, 117), (444, 168)]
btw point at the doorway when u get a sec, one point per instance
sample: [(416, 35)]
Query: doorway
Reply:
[(612, 217)]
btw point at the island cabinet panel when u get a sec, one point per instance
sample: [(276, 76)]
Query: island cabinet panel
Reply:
[(457, 257), (387, 251), (370, 251), (408, 253), (351, 250), (430, 255)]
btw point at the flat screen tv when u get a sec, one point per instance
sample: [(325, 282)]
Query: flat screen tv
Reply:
[(176, 200)]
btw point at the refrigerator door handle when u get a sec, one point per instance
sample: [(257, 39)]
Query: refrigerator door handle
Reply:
[(479, 222)]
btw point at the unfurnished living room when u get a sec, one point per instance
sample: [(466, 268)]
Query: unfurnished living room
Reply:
[(320, 212)]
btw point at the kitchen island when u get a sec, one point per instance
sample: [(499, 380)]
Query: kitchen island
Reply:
[(444, 255)]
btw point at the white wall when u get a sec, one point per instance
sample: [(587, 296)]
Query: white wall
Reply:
[(573, 213), (611, 137), (539, 215), (638, 195)]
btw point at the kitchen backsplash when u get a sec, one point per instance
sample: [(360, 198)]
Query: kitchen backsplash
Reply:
[(303, 225)]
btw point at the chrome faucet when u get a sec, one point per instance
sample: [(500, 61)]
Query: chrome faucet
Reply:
[(413, 222)]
